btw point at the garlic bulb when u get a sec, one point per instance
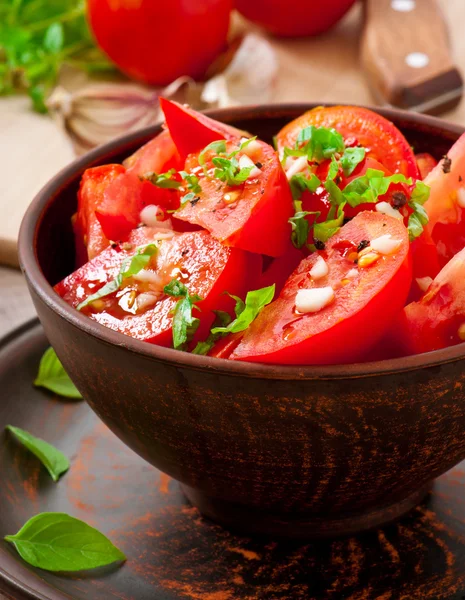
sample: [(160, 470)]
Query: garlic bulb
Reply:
[(98, 113)]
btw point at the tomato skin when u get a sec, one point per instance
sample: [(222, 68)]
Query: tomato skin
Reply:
[(359, 316), (303, 18), (384, 142), (123, 200), (157, 156), (191, 131), (156, 41), (87, 229), (446, 217), (432, 322), (426, 163), (208, 270), (257, 220), (278, 271)]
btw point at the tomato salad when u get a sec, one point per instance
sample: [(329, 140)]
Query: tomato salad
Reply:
[(337, 244)]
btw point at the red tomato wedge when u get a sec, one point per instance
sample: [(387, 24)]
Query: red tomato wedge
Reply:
[(191, 131), (446, 203), (426, 163), (384, 142), (253, 215), (357, 300), (140, 308), (279, 269), (159, 155), (87, 228), (438, 319), (123, 200)]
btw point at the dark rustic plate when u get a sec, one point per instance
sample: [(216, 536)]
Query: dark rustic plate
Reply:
[(172, 552)]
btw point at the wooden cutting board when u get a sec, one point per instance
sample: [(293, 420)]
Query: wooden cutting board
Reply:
[(323, 69)]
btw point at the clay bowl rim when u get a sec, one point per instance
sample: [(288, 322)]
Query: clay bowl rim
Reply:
[(33, 272)]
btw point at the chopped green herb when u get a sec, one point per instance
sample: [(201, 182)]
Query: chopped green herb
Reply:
[(53, 460), (300, 225), (184, 323), (367, 188), (255, 301), (53, 377), (323, 231), (300, 183), (163, 180), (419, 217), (131, 266), (336, 196), (58, 542), (218, 147), (192, 182), (222, 319), (319, 143), (351, 158)]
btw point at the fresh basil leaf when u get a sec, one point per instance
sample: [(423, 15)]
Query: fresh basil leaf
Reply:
[(420, 192), (300, 183), (53, 460), (319, 143), (300, 225), (336, 196), (417, 220), (351, 158), (323, 231), (242, 146), (58, 542), (222, 319), (130, 266), (163, 180), (184, 323), (255, 301), (54, 38), (192, 182), (53, 377), (37, 95), (217, 147), (367, 188)]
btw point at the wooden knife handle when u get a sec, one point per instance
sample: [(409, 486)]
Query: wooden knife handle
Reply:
[(406, 56)]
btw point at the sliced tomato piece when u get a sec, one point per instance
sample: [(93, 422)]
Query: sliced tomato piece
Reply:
[(279, 269), (438, 319), (87, 229), (383, 141), (159, 156), (192, 131), (426, 163), (446, 203), (253, 215), (140, 308), (123, 200), (353, 303)]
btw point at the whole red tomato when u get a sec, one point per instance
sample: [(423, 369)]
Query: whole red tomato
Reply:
[(296, 18), (157, 41)]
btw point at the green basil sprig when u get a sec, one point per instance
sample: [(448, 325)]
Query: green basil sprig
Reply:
[(53, 377), (53, 460), (58, 542), (184, 322)]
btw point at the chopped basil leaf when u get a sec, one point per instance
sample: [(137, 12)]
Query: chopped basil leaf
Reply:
[(255, 301), (131, 266), (228, 170), (53, 377), (243, 145), (184, 323), (222, 319), (368, 187), (162, 180), (300, 225), (319, 143), (300, 183), (323, 231), (351, 158), (217, 147), (58, 542), (419, 217), (192, 182), (335, 194), (53, 460)]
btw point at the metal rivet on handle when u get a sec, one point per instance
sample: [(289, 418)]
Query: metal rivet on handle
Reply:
[(403, 5), (417, 60)]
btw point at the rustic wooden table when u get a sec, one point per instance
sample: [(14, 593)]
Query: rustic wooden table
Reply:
[(32, 148)]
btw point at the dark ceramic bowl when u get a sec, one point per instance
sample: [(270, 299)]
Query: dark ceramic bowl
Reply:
[(299, 451)]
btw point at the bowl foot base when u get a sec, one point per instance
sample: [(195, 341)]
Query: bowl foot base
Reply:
[(295, 525)]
